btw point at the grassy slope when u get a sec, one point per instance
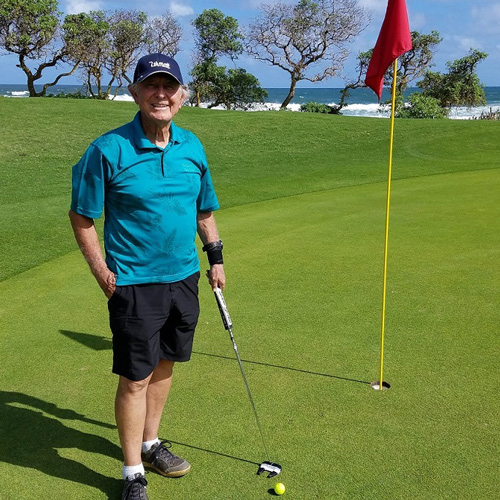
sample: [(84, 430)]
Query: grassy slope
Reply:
[(304, 294), (254, 157)]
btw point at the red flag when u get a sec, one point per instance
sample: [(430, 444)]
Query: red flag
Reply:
[(394, 40)]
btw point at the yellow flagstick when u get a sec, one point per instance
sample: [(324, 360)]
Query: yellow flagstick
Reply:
[(381, 384)]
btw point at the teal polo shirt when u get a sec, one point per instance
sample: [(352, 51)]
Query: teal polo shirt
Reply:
[(150, 197)]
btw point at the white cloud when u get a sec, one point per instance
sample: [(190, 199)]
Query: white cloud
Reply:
[(417, 21), (375, 6), (464, 43), (255, 4), (487, 18), (77, 6), (454, 47), (179, 10)]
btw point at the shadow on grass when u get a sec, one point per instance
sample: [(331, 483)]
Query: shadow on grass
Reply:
[(101, 343), (91, 341), (283, 368), (215, 453), (32, 434)]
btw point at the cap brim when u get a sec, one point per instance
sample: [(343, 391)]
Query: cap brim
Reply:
[(156, 72)]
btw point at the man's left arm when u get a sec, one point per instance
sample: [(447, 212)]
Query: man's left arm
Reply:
[(207, 231)]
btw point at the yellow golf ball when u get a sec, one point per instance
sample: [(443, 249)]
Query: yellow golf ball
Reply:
[(279, 489)]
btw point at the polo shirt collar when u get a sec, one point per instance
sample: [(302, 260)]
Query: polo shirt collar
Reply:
[(142, 142)]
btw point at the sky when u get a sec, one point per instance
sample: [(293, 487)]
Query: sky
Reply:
[(463, 24)]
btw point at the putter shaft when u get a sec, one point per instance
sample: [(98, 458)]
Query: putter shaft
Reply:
[(228, 325)]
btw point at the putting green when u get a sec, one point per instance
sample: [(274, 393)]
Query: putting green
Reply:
[(304, 292)]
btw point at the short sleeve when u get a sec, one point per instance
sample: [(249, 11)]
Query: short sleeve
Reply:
[(207, 199), (88, 183)]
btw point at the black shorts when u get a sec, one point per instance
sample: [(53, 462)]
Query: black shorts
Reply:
[(152, 322)]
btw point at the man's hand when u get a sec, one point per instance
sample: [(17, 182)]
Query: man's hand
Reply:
[(216, 276), (107, 282)]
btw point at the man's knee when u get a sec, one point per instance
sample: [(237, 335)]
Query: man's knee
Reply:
[(133, 387)]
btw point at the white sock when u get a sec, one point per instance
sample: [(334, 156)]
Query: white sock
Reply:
[(129, 471), (147, 445)]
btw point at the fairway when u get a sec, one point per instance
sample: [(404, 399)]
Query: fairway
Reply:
[(307, 330)]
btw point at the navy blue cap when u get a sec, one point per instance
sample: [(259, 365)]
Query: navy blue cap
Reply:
[(157, 63)]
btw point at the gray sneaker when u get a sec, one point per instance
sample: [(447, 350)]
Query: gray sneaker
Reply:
[(163, 461), (135, 489)]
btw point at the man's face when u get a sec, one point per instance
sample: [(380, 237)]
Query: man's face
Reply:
[(159, 98)]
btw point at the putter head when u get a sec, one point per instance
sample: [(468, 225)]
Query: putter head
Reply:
[(270, 467)]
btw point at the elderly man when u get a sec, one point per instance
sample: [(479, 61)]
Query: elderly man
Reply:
[(153, 182)]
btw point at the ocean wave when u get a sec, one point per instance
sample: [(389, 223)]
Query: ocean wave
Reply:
[(371, 110), (123, 97), (360, 108), (366, 110), (355, 109), (464, 113)]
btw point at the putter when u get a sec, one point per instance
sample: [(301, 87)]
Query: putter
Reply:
[(273, 469)]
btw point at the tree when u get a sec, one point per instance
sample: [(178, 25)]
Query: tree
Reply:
[(218, 35), (128, 30), (361, 68), (31, 29), (411, 65), (297, 38), (460, 86), (208, 79), (92, 48), (416, 62), (234, 88), (164, 34), (237, 89), (421, 106), (110, 45)]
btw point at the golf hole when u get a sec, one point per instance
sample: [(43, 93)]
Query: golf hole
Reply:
[(376, 386)]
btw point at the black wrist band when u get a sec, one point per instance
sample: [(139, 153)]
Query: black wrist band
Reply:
[(215, 257), (213, 245), (214, 252)]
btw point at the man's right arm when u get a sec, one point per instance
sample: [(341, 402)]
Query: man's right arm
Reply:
[(88, 241)]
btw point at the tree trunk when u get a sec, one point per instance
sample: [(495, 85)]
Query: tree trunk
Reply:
[(90, 90), (32, 78), (344, 93), (290, 95), (31, 86)]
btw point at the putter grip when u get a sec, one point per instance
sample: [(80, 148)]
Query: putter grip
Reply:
[(224, 313)]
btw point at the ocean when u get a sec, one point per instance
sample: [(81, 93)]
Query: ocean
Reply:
[(362, 102)]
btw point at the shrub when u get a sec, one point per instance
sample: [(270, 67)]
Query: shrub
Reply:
[(490, 115), (79, 94), (421, 106), (316, 107)]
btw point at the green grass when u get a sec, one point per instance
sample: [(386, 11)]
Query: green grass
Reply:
[(303, 213), (254, 157)]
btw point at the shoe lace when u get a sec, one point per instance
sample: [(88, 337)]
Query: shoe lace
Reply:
[(136, 493), (162, 451)]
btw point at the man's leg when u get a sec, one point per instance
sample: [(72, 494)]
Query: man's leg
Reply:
[(157, 456), (130, 414), (156, 397), (130, 410)]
